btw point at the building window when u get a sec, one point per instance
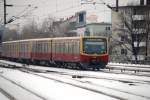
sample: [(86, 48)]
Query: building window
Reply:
[(81, 17), (134, 11), (148, 2), (138, 11), (124, 38), (141, 2), (107, 28), (124, 51)]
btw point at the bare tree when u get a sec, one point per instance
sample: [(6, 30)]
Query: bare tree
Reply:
[(147, 31), (46, 27), (49, 27), (29, 30), (9, 34), (134, 28)]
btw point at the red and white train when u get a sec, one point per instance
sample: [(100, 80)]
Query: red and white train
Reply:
[(77, 52)]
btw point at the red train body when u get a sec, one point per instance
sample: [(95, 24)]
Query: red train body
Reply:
[(77, 52)]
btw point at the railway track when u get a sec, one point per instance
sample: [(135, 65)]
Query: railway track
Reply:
[(79, 83), (123, 67), (77, 73), (11, 97), (88, 86), (110, 68), (60, 81)]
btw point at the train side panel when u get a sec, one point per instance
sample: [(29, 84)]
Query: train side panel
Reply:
[(41, 50), (66, 50), (24, 50)]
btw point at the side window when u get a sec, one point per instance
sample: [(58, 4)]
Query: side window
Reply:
[(56, 47), (70, 47), (124, 51), (66, 47), (78, 47), (53, 47), (36, 49)]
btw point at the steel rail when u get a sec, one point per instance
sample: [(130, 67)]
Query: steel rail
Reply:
[(9, 96), (43, 98)]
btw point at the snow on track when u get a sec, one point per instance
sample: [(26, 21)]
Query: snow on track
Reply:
[(3, 97), (125, 86), (15, 91), (50, 89)]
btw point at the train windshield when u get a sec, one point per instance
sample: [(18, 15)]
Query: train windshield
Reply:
[(94, 46)]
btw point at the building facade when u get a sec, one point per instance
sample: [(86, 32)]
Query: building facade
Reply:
[(131, 33), (87, 25)]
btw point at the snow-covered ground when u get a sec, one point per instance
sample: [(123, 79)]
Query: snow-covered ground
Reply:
[(49, 89), (2, 97), (132, 65), (118, 85)]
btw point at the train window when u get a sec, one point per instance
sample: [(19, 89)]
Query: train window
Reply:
[(33, 46), (44, 48), (69, 48), (73, 48), (66, 47), (61, 47), (55, 46), (58, 49), (39, 47), (36, 45), (47, 46), (20, 47), (24, 45), (27, 46), (52, 47)]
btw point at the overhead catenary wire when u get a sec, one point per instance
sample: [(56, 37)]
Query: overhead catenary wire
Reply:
[(76, 5)]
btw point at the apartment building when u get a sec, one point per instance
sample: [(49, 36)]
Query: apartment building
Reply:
[(131, 33)]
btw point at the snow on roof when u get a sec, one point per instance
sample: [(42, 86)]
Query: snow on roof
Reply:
[(58, 38), (40, 39)]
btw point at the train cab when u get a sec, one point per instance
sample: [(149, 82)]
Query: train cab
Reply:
[(94, 52)]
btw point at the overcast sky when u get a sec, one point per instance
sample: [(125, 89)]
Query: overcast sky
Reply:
[(59, 8)]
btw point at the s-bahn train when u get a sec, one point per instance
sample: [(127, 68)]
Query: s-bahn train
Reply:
[(75, 52)]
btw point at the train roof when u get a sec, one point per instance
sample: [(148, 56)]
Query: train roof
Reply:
[(41, 39), (56, 38)]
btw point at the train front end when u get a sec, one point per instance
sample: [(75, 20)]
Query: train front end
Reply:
[(94, 52)]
